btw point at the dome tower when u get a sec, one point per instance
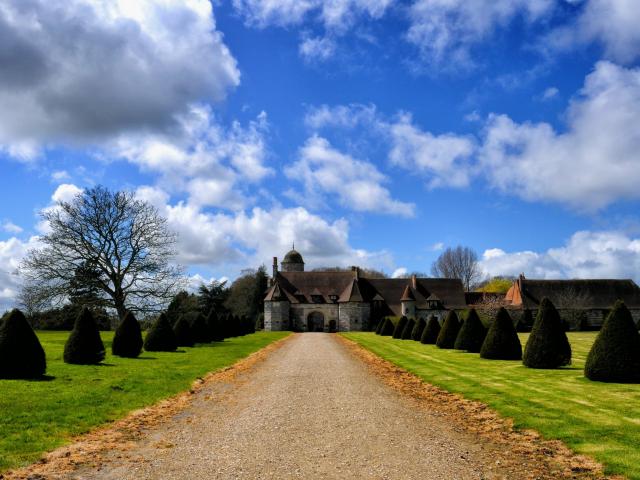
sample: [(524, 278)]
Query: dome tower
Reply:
[(292, 262)]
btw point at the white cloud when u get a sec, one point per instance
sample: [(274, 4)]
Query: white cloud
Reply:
[(80, 72), (12, 251), (445, 31), (436, 247), (333, 14), (603, 254), (317, 48), (10, 227), (65, 192), (400, 272), (358, 185), (593, 163), (550, 93), (445, 160), (612, 23), (60, 176), (342, 116), (213, 164)]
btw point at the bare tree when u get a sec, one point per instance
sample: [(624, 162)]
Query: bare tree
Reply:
[(573, 303), (122, 241), (459, 262)]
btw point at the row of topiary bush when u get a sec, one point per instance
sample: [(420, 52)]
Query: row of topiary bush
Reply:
[(614, 356), (22, 355)]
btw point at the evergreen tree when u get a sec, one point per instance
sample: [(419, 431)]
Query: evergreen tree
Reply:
[(199, 327), (548, 345), (161, 337), (615, 355), (418, 329), (408, 330), (182, 330), (387, 328), (502, 342), (431, 331), (21, 355), (215, 326), (127, 341), (397, 332), (449, 332), (84, 345), (472, 333), (526, 322)]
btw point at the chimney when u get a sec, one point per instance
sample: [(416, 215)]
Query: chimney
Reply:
[(356, 272), (275, 267), (414, 282)]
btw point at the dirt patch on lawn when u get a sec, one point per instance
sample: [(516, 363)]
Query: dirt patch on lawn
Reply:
[(547, 459), (89, 449)]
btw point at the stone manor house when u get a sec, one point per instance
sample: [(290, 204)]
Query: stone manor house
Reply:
[(332, 301)]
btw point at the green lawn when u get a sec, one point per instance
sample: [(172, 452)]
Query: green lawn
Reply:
[(37, 416), (598, 419)]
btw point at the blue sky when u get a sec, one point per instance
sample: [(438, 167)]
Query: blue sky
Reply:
[(371, 132)]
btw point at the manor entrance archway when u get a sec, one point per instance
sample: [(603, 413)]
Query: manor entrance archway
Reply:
[(315, 322)]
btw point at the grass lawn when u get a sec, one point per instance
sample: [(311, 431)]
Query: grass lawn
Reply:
[(598, 419), (37, 416)]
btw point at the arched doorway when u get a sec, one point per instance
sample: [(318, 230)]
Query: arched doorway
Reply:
[(315, 322)]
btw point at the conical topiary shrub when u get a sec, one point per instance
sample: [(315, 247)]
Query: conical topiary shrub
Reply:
[(449, 331), (502, 342), (548, 345), (472, 333), (615, 355), (418, 329), (397, 332), (215, 326), (431, 331), (182, 329), (387, 328), (21, 355), (84, 345), (526, 321), (378, 328), (199, 327), (161, 337), (127, 340), (408, 330)]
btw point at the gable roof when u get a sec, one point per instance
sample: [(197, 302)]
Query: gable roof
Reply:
[(351, 293), (407, 295), (595, 293)]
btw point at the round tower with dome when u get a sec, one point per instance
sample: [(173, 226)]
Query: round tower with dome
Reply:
[(292, 261)]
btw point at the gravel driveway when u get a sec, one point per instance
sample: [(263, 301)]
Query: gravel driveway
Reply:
[(310, 410)]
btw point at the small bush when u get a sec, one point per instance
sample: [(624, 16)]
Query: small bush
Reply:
[(502, 342), (408, 330), (127, 341), (21, 355), (182, 329), (472, 333), (615, 355), (548, 345), (418, 329), (431, 331), (161, 337), (199, 328), (387, 328), (449, 331), (84, 345), (397, 332)]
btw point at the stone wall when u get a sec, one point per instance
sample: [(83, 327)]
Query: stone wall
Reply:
[(300, 312), (354, 316), (276, 316)]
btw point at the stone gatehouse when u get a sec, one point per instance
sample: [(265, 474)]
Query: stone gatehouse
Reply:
[(348, 301)]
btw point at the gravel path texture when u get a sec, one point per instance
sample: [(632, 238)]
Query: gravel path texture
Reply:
[(310, 410)]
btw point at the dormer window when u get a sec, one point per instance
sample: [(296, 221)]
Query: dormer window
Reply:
[(333, 298), (317, 299)]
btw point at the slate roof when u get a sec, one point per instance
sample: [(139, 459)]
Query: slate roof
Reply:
[(299, 287), (598, 293)]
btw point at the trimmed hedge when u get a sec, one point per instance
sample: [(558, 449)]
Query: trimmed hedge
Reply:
[(21, 355), (215, 326), (418, 329), (161, 337), (615, 355), (548, 345), (408, 330), (449, 331), (387, 328), (127, 340), (472, 334), (397, 332), (84, 345), (199, 328), (502, 342), (431, 331), (182, 329)]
